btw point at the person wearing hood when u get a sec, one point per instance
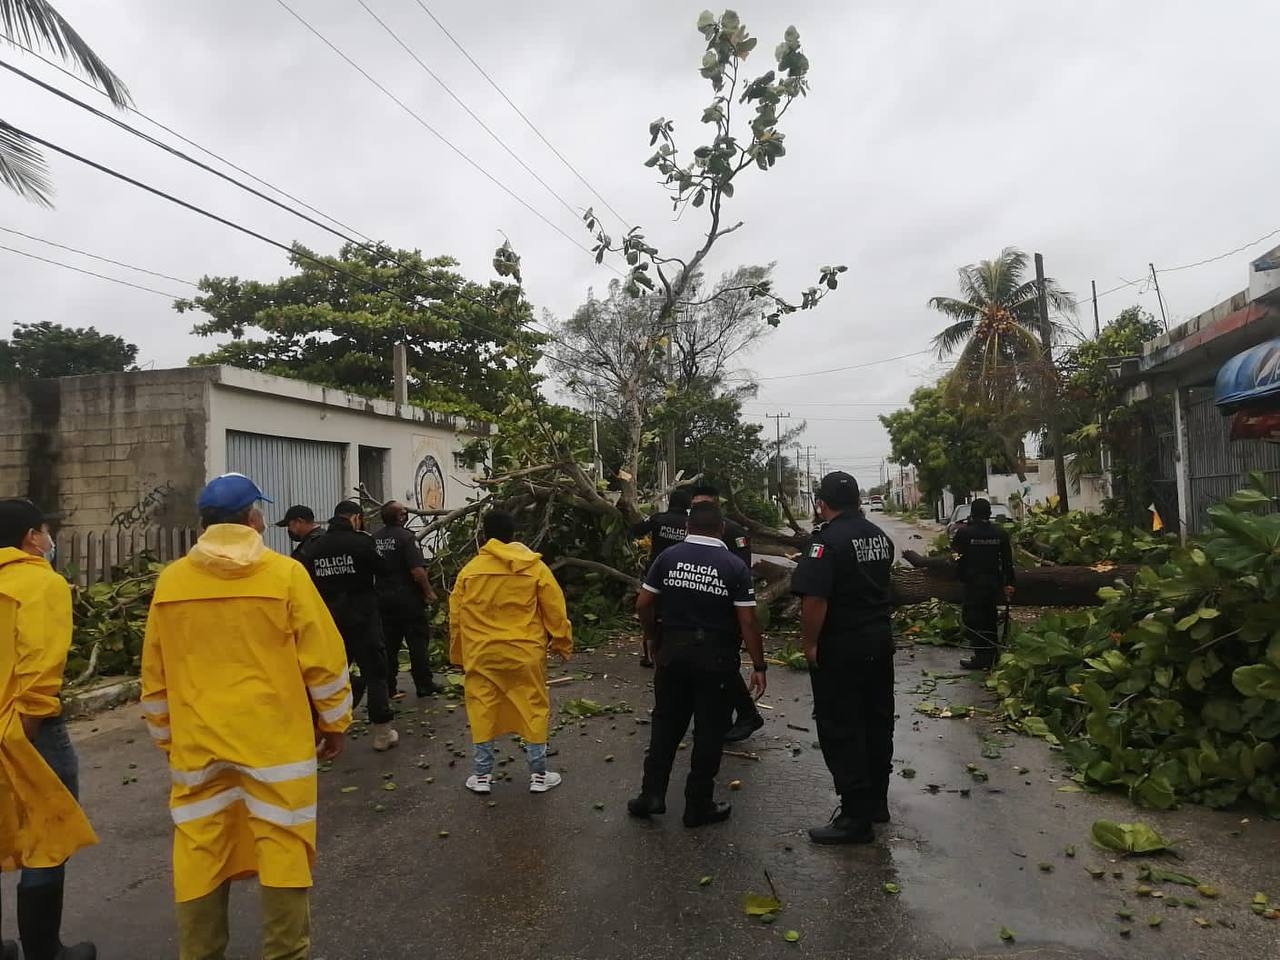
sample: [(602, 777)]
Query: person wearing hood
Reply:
[(505, 612), (243, 674), (345, 565), (41, 823)]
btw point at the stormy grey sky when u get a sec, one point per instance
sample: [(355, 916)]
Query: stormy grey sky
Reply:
[(1105, 135)]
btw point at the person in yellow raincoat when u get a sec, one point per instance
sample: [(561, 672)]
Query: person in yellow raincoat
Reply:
[(41, 823), (243, 671), (506, 610)]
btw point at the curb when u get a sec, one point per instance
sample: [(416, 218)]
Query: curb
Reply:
[(86, 703)]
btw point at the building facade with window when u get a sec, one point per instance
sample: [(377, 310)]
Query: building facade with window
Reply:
[(130, 450)]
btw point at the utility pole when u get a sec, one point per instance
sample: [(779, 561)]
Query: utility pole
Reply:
[(1051, 377), (1155, 279), (777, 419), (1097, 329)]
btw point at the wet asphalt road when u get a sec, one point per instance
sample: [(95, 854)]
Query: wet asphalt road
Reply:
[(556, 876)]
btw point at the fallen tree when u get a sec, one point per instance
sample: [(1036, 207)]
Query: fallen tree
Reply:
[(935, 578)]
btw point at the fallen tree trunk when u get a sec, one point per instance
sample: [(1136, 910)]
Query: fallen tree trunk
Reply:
[(935, 579)]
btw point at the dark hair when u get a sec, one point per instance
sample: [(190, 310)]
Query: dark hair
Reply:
[(980, 509), (680, 500), (210, 516), (705, 490), (348, 508), (705, 519), (391, 512), (499, 525)]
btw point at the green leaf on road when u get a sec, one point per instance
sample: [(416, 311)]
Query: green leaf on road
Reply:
[(759, 905), (1207, 891), (791, 936), (705, 881), (1127, 838), (892, 888), (348, 789), (1007, 935)]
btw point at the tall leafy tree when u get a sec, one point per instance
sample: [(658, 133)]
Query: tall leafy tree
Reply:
[(35, 23), (338, 324), (44, 349)]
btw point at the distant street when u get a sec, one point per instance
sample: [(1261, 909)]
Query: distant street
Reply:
[(568, 875)]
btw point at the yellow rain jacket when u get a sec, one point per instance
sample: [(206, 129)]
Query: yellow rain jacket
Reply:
[(41, 825), (505, 611), (241, 666)]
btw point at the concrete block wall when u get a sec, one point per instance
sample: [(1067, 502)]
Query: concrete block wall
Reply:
[(108, 451)]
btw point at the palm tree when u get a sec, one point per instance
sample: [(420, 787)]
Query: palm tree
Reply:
[(1002, 367), (35, 23)]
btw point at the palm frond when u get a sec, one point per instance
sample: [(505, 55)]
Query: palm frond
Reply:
[(952, 337), (22, 168), (956, 309), (37, 24)]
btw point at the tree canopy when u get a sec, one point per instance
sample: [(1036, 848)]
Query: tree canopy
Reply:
[(337, 325), (46, 349)]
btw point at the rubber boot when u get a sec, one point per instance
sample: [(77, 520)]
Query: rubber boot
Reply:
[(384, 737), (40, 922)]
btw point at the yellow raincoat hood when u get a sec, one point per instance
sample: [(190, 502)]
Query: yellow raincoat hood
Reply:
[(41, 825), (228, 550), (505, 612)]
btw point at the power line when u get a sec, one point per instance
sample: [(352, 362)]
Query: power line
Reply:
[(471, 113), (855, 366), (100, 276), (432, 130), (94, 256), (152, 120), (368, 246), (520, 113), (1222, 256), (248, 231)]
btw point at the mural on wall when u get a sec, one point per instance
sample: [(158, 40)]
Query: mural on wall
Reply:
[(428, 491)]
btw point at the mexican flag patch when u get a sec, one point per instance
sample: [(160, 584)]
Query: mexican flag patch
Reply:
[(816, 551), (742, 543)]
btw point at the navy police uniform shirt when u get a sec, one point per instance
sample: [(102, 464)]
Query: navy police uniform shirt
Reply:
[(664, 530), (984, 556), (401, 554), (738, 541), (699, 585), (849, 561), (343, 563)]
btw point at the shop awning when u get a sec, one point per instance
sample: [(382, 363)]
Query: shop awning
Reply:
[(1250, 379)]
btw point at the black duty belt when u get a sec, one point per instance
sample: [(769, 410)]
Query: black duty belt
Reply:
[(700, 636)]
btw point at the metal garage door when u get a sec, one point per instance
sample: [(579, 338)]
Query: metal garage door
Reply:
[(289, 471)]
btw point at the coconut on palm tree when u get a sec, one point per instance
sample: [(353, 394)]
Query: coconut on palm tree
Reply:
[(1002, 367), (36, 24)]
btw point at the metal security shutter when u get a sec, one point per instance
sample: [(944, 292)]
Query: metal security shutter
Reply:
[(289, 471)]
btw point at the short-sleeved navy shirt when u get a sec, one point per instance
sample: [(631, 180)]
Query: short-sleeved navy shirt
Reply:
[(664, 531), (401, 554), (699, 584), (849, 562)]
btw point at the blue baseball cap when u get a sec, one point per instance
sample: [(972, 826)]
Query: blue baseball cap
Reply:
[(229, 493)]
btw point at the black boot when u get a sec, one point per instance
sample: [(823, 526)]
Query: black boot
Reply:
[(844, 828), (744, 728), (644, 806), (9, 951), (879, 807), (40, 922), (701, 814)]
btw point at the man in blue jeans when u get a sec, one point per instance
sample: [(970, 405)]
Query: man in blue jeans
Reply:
[(41, 824)]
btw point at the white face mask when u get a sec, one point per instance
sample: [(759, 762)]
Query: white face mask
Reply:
[(51, 553)]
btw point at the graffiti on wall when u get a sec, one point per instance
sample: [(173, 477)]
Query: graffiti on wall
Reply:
[(428, 484), (142, 511)]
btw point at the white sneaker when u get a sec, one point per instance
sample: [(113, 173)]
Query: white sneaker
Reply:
[(480, 783), (384, 737), (542, 782)]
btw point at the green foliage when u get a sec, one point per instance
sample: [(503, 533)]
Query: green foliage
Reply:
[(111, 617), (948, 445), (1089, 538), (935, 623), (330, 326), (46, 349), (1171, 689)]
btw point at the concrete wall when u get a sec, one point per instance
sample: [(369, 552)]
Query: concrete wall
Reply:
[(114, 450), (1042, 483)]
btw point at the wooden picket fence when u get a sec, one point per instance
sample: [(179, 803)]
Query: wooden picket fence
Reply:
[(104, 556)]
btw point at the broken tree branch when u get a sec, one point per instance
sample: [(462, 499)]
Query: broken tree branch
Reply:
[(595, 567)]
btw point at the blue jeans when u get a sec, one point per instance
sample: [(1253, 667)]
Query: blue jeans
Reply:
[(535, 753), (53, 743)]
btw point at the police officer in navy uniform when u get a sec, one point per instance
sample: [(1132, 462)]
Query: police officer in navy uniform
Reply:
[(984, 562), (697, 607), (300, 522), (664, 529), (405, 592), (845, 620), (747, 718), (344, 564)]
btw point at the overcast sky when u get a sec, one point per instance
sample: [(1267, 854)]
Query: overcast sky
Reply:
[(1105, 135)]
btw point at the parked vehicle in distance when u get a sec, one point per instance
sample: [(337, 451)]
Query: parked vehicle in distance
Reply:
[(960, 516), (875, 503)]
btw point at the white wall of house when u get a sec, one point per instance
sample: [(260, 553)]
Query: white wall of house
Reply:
[(1042, 483)]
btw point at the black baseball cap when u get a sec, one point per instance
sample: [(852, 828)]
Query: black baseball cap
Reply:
[(838, 489), (297, 512), (17, 516)]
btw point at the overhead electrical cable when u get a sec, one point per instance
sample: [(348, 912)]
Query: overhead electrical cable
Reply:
[(94, 256), (100, 276)]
